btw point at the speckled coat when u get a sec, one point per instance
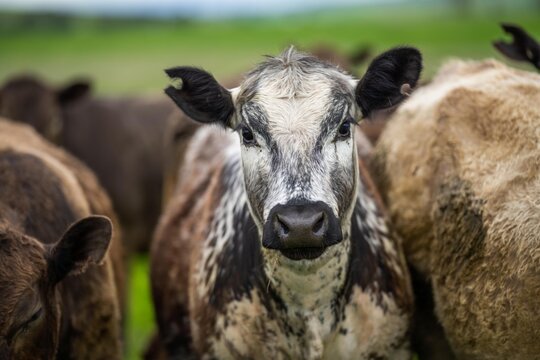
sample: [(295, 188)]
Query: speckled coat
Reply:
[(215, 297)]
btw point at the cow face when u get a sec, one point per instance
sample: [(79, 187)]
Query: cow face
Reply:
[(29, 273), (295, 115), (28, 100)]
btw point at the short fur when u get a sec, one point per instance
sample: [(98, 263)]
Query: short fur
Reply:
[(42, 192), (459, 169)]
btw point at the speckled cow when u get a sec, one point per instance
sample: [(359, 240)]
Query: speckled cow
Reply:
[(276, 246)]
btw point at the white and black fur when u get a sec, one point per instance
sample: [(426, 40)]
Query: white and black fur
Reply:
[(252, 296)]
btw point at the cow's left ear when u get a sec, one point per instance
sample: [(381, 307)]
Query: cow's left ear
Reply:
[(73, 91), (388, 79), (200, 96), (84, 242)]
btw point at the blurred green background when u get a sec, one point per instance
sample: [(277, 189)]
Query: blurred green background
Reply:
[(126, 55)]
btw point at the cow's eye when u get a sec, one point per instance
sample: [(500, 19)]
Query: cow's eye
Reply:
[(25, 326), (247, 136), (344, 131)]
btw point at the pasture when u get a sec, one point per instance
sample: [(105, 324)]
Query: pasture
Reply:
[(127, 57)]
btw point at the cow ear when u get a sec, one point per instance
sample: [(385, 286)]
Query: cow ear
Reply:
[(74, 91), (523, 47), (388, 79), (85, 242), (200, 96)]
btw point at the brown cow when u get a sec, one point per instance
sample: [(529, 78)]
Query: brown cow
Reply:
[(459, 166), (56, 301), (121, 139)]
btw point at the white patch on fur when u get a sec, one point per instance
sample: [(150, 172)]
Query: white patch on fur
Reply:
[(365, 329), (371, 330)]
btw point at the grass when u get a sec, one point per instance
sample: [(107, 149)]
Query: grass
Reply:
[(128, 58), (140, 322)]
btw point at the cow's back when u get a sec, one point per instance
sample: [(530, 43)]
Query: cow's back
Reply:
[(459, 164)]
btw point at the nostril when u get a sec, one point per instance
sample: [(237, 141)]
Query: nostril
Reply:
[(319, 224), (282, 227)]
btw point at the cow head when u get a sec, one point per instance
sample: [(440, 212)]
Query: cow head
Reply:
[(29, 273), (29, 100), (295, 117)]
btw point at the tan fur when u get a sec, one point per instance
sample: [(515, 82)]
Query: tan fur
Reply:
[(90, 301), (459, 166)]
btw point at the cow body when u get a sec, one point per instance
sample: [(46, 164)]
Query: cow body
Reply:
[(43, 313), (122, 141), (459, 166), (275, 246), (236, 305)]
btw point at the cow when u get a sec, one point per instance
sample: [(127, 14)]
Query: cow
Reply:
[(458, 167), (276, 245), (59, 285), (120, 138)]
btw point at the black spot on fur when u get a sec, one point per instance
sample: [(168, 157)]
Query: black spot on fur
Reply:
[(240, 263), (368, 268), (381, 86), (335, 114), (200, 97), (253, 114)]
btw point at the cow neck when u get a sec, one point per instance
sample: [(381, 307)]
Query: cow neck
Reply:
[(308, 285)]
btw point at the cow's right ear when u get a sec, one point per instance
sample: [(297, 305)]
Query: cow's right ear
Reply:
[(389, 79), (200, 96), (85, 242)]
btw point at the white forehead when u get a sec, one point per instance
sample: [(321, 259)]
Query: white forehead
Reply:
[(296, 92), (295, 118)]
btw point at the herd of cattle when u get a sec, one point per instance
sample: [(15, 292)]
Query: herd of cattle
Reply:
[(279, 228)]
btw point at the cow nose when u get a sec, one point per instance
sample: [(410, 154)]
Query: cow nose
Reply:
[(300, 226), (301, 229)]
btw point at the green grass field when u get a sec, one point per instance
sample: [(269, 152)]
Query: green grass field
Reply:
[(128, 58)]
